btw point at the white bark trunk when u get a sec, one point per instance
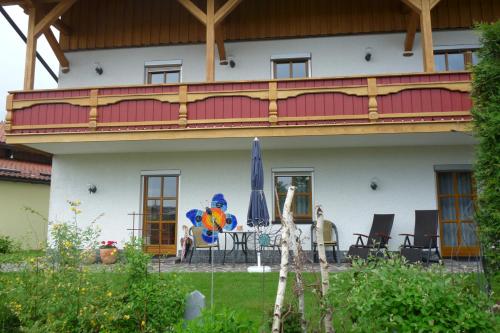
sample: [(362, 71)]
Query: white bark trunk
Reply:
[(298, 259), (325, 283), (285, 247)]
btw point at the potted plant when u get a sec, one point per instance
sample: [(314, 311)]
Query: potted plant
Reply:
[(89, 256), (108, 252)]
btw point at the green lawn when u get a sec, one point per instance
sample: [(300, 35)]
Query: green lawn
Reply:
[(251, 293), (20, 256)]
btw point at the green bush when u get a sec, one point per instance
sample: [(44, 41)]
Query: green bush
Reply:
[(486, 112), (391, 296), (222, 321), (58, 294), (7, 245)]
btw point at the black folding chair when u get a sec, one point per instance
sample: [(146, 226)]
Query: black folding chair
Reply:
[(376, 241), (424, 238)]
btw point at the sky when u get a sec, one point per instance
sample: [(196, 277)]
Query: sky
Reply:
[(13, 55)]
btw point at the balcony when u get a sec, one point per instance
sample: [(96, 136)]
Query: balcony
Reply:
[(418, 103)]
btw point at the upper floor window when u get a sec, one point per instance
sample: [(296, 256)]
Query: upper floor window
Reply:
[(303, 199), (291, 66), (158, 72), (455, 60)]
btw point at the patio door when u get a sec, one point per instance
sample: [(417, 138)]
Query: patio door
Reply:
[(160, 214), (456, 196)]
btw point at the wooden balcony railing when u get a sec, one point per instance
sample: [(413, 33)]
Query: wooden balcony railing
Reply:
[(403, 98)]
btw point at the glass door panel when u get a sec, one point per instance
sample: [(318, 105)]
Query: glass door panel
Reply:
[(160, 214)]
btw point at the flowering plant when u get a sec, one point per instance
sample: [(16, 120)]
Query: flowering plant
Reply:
[(108, 245)]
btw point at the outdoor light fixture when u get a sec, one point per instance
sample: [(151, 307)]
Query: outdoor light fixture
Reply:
[(98, 68), (368, 53), (374, 184), (232, 64), (92, 189)]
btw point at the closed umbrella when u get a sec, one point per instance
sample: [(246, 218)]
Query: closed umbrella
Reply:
[(258, 215)]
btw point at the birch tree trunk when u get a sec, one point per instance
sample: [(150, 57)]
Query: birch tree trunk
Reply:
[(298, 259), (285, 247), (325, 283)]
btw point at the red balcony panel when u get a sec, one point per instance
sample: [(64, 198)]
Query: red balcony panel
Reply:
[(228, 86), (45, 114), (227, 108), (50, 94), (162, 89), (424, 100), (323, 104), (135, 111)]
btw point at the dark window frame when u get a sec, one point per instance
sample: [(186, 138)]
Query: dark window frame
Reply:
[(290, 62), (467, 54), (298, 219), (150, 70)]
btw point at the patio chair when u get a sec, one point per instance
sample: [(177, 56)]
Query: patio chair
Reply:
[(424, 238), (199, 243), (331, 238), (376, 241), (272, 241)]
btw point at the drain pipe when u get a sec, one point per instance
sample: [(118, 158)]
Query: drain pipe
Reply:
[(23, 37)]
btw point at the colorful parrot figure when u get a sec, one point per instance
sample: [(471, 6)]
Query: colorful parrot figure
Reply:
[(213, 219)]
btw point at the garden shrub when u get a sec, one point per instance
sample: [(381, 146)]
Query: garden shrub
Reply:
[(391, 296), (221, 321), (486, 112), (59, 294), (7, 245)]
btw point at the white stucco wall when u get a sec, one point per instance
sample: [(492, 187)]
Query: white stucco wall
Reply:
[(330, 56), (341, 183)]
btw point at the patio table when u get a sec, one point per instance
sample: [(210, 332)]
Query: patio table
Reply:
[(240, 239)]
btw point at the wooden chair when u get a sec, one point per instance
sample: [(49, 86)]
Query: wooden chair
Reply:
[(330, 236), (377, 240), (199, 243), (424, 238)]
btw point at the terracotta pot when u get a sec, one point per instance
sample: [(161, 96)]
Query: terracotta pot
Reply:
[(89, 257), (108, 256)]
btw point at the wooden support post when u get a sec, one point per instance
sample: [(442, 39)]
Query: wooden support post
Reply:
[(219, 40), (53, 16), (94, 96), (273, 105), (9, 106), (56, 48), (426, 32), (183, 106), (372, 100), (30, 61), (411, 29), (210, 42)]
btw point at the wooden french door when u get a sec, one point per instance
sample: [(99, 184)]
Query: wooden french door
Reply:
[(456, 196), (160, 214)]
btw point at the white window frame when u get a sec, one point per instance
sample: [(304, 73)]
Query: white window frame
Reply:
[(292, 172)]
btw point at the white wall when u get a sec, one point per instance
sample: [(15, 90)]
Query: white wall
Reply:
[(341, 183), (331, 56)]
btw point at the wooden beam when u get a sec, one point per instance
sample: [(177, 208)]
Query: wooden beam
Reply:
[(225, 10), (62, 27), (219, 41), (411, 30), (414, 4), (193, 9), (59, 53), (52, 16), (30, 61), (210, 41), (426, 35)]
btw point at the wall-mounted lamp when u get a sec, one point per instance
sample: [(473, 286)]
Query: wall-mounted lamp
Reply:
[(98, 68), (368, 53), (374, 184), (229, 62), (92, 189)]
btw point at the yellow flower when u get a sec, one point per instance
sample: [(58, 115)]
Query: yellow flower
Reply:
[(126, 317), (109, 294), (143, 323)]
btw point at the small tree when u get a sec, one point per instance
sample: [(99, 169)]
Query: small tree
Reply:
[(486, 112)]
